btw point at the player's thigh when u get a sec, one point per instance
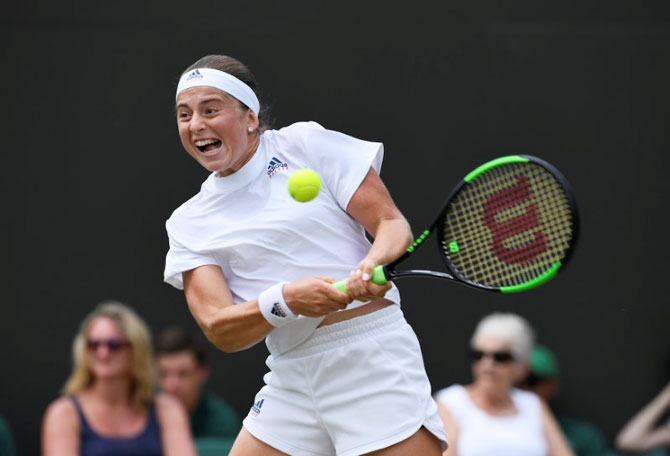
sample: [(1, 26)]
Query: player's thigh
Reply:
[(248, 445), (422, 442)]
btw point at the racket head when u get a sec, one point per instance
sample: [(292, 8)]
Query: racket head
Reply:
[(510, 225)]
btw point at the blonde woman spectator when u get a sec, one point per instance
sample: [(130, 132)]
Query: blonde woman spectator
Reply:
[(108, 405), (490, 416)]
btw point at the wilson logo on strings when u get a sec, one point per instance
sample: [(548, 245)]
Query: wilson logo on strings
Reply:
[(503, 230)]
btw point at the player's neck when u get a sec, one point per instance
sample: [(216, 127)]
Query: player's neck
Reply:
[(252, 147)]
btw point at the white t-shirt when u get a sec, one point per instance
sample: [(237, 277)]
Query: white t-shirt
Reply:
[(248, 224), (481, 434)]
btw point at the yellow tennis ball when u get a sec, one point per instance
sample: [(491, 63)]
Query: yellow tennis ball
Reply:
[(304, 185)]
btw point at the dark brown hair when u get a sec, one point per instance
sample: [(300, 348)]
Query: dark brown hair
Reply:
[(238, 69)]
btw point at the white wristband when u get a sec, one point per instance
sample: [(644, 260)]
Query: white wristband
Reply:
[(273, 307)]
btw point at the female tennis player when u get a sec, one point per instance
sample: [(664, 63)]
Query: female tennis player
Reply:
[(346, 372)]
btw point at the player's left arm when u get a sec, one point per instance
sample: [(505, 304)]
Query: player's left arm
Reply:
[(374, 208)]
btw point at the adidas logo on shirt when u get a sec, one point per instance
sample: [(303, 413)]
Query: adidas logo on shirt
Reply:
[(256, 408), (275, 166)]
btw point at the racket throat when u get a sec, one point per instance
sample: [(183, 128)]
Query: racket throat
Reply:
[(392, 275)]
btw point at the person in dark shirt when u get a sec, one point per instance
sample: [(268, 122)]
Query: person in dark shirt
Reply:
[(183, 370)]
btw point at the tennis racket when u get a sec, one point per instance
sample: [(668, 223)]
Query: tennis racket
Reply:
[(510, 225)]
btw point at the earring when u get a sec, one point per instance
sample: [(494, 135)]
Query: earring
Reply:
[(251, 129)]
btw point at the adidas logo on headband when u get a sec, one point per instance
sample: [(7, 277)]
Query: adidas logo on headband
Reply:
[(194, 75), (223, 81)]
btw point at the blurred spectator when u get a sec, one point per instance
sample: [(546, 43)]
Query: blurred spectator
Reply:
[(543, 379), (490, 416), (649, 430), (109, 407), (183, 371), (7, 447)]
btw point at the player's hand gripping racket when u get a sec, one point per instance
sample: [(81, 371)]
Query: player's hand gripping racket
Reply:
[(510, 225)]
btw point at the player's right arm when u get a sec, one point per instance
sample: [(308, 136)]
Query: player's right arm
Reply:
[(233, 327)]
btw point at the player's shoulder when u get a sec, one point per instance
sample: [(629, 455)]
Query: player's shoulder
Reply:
[(184, 207), (292, 142), (298, 132), (188, 207), (298, 128)]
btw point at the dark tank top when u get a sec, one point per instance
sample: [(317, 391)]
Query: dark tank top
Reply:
[(146, 443)]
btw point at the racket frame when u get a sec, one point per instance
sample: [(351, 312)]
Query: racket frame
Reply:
[(391, 273)]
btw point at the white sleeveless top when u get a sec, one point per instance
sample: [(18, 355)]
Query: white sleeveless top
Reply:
[(481, 434)]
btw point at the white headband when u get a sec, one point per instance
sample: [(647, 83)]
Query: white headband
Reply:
[(219, 80)]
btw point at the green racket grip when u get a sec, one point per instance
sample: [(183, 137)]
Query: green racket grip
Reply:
[(378, 277)]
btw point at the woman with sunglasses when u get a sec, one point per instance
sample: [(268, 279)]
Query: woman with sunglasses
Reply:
[(490, 416), (109, 406)]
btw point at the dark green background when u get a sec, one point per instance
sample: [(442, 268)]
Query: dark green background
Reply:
[(92, 166)]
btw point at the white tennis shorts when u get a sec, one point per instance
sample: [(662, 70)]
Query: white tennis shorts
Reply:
[(353, 387)]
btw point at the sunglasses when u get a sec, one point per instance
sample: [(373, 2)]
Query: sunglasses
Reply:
[(113, 345), (496, 356)]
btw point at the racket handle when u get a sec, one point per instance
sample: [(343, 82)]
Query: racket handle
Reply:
[(378, 277)]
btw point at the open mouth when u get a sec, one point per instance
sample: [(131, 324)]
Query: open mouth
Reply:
[(207, 145)]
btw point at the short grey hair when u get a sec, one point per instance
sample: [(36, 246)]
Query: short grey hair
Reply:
[(510, 327)]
